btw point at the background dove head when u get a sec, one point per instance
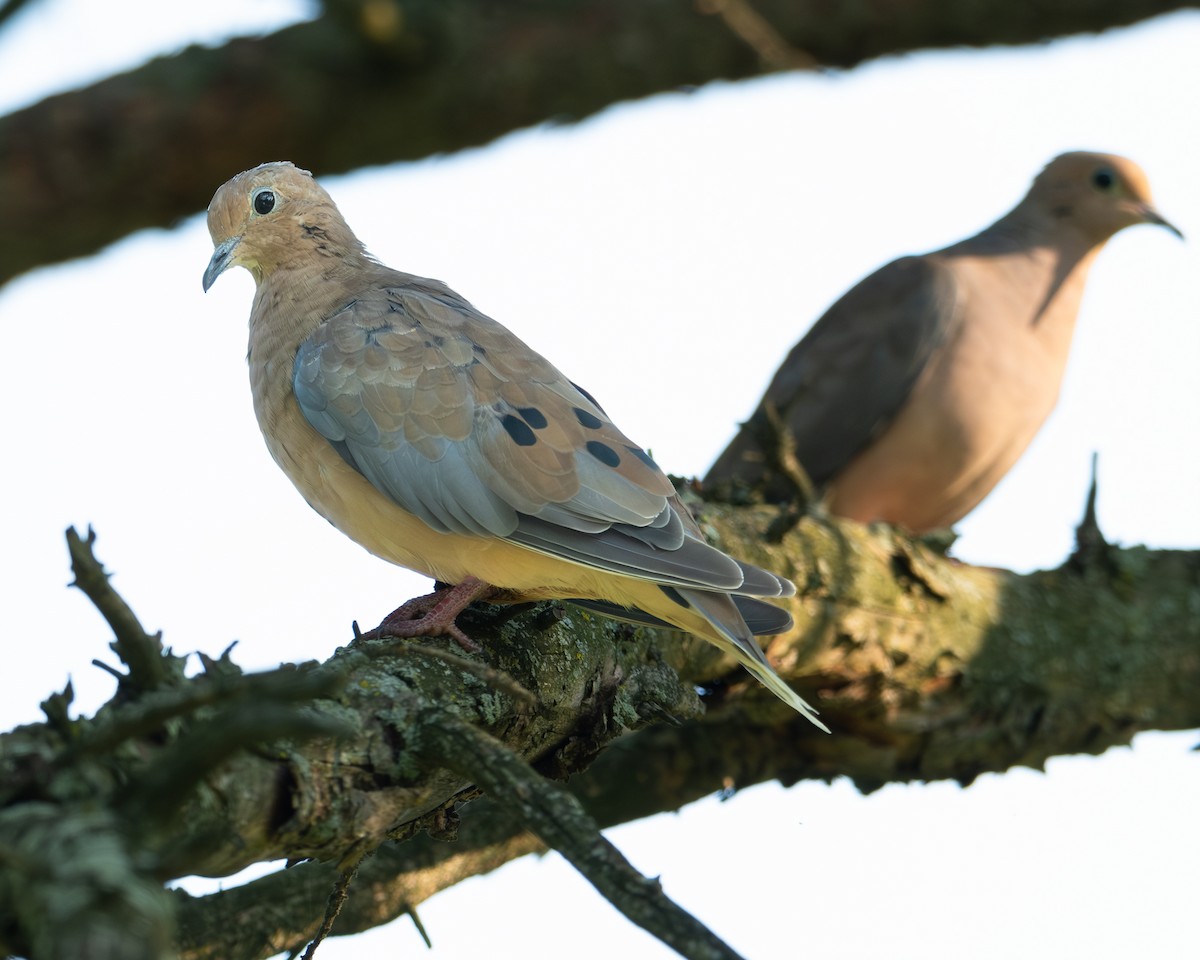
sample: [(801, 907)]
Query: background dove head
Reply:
[(260, 218), (1096, 194)]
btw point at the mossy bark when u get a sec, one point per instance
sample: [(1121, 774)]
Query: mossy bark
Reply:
[(923, 667)]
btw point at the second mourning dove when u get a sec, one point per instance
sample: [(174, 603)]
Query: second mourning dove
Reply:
[(918, 390), (431, 435)]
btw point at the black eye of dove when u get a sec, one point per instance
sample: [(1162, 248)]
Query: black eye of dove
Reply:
[(264, 201)]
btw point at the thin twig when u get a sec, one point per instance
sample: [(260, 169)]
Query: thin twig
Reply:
[(412, 914), (333, 906), (1091, 549), (777, 438), (140, 651), (282, 685), (783, 451), (560, 821), (758, 33)]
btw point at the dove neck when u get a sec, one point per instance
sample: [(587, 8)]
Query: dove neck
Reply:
[(296, 297), (1025, 230), (1049, 259)]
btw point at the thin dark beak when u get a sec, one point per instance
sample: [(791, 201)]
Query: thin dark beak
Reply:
[(221, 259), (1150, 215)]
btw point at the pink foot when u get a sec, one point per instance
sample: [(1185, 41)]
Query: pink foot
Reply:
[(433, 615)]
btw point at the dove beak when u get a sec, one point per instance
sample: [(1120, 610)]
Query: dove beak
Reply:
[(1149, 215), (222, 259)]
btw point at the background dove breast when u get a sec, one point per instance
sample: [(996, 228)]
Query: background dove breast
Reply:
[(917, 391)]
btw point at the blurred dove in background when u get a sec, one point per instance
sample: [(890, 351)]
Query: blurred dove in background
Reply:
[(918, 390), (432, 436)]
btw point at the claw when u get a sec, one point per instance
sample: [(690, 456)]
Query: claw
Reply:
[(434, 614)]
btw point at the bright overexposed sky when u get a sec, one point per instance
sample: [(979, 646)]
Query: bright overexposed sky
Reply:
[(665, 254)]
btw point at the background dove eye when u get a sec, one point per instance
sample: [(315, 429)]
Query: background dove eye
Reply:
[(1103, 179), (263, 200)]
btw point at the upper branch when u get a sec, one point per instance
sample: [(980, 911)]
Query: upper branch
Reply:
[(362, 86)]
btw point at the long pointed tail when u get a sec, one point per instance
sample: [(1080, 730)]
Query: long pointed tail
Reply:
[(719, 610)]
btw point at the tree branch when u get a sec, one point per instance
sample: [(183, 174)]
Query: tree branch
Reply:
[(11, 8), (924, 668), (558, 819), (355, 88), (138, 650)]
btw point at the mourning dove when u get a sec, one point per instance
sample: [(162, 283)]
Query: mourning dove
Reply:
[(431, 435), (919, 389)]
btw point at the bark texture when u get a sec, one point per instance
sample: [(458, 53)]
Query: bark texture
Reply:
[(924, 668)]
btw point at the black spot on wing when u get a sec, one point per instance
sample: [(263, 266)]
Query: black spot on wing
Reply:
[(586, 419), (643, 456), (588, 395), (604, 453), (533, 416), (519, 430)]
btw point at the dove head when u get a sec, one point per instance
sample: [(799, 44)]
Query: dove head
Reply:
[(1095, 194), (271, 216)]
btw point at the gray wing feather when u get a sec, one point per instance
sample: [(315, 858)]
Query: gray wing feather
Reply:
[(763, 619), (444, 492), (469, 485), (848, 377), (763, 583), (623, 549)]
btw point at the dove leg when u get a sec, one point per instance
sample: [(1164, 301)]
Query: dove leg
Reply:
[(433, 614)]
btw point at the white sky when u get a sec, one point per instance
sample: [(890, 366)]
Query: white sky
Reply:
[(664, 254)]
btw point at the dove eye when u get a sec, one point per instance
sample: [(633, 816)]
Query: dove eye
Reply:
[(1103, 179), (263, 200)]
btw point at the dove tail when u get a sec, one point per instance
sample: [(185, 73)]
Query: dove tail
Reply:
[(716, 609)]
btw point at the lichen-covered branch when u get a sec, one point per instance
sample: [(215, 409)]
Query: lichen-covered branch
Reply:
[(930, 670), (376, 83), (923, 667)]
